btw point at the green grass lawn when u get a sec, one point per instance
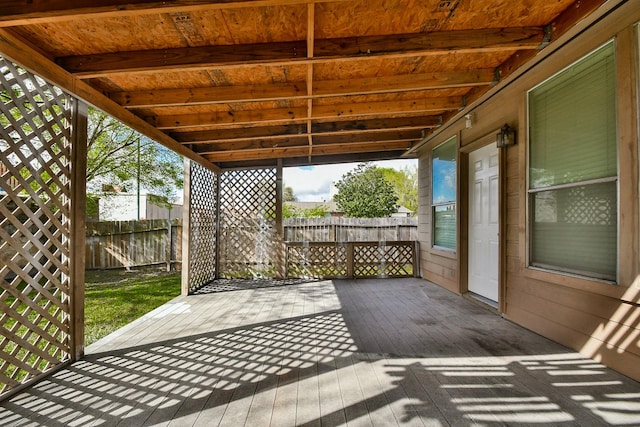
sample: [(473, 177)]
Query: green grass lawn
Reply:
[(115, 298)]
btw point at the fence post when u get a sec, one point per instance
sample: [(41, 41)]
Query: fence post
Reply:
[(169, 242), (350, 260), (416, 259)]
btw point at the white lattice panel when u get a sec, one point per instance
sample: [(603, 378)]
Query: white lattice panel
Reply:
[(35, 227), (317, 260), (392, 259), (203, 223), (248, 239)]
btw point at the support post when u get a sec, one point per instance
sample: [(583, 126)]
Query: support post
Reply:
[(78, 215), (280, 261), (218, 226), (350, 260)]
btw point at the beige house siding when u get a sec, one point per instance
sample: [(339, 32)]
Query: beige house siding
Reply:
[(599, 319)]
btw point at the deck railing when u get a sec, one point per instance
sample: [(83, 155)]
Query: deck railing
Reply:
[(328, 260)]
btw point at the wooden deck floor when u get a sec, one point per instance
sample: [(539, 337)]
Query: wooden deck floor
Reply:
[(366, 352)]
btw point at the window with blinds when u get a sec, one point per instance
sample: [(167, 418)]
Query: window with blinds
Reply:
[(443, 201), (573, 169)]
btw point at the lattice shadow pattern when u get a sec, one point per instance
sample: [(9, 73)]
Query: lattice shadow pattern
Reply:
[(35, 181), (227, 285)]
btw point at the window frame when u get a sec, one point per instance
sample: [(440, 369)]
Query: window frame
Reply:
[(531, 192), (433, 206)]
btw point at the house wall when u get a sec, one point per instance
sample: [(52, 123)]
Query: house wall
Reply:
[(599, 319), (124, 207)]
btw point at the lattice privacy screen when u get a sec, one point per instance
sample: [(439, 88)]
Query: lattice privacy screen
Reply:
[(318, 260), (249, 242), (35, 202), (394, 259), (203, 223)]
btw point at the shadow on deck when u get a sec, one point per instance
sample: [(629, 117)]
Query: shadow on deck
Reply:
[(368, 352)]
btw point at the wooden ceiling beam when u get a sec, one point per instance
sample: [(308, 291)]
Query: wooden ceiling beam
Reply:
[(369, 137), (295, 52), (210, 95), (254, 144), (339, 158), (301, 140), (362, 109), (276, 116), (28, 12), (323, 150), (266, 132), (317, 129), (420, 122), (292, 91), (299, 114)]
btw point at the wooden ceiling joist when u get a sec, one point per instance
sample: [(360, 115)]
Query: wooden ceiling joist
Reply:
[(317, 129), (295, 115), (295, 52), (28, 12), (301, 140), (267, 132), (420, 122), (294, 91), (284, 152), (243, 118)]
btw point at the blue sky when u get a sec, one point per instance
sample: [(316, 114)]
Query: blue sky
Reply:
[(444, 181), (313, 183)]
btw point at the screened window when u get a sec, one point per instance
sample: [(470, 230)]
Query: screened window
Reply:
[(573, 169), (443, 179)]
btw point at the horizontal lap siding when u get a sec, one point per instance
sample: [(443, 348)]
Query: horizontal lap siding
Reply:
[(600, 320)]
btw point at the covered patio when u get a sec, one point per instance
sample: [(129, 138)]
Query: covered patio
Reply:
[(243, 88), (365, 352)]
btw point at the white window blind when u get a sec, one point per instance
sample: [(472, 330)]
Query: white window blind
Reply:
[(573, 168)]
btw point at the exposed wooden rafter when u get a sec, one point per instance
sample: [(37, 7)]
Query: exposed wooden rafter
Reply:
[(301, 140), (296, 91), (317, 129), (287, 53), (28, 12), (416, 106), (321, 150)]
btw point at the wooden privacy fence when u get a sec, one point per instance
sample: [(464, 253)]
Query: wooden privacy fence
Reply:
[(126, 244), (336, 229)]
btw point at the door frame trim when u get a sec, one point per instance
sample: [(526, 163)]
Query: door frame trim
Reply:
[(464, 191)]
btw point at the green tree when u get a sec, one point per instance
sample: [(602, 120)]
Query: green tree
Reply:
[(319, 211), (365, 193), (405, 185), (113, 150), (290, 211), (288, 195)]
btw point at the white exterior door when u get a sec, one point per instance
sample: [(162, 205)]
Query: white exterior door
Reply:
[(483, 222)]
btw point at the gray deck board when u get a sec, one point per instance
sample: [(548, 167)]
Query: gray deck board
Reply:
[(327, 353)]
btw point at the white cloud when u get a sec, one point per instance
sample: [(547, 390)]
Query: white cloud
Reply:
[(313, 183)]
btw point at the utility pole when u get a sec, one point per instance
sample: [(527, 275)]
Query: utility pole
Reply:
[(138, 178)]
